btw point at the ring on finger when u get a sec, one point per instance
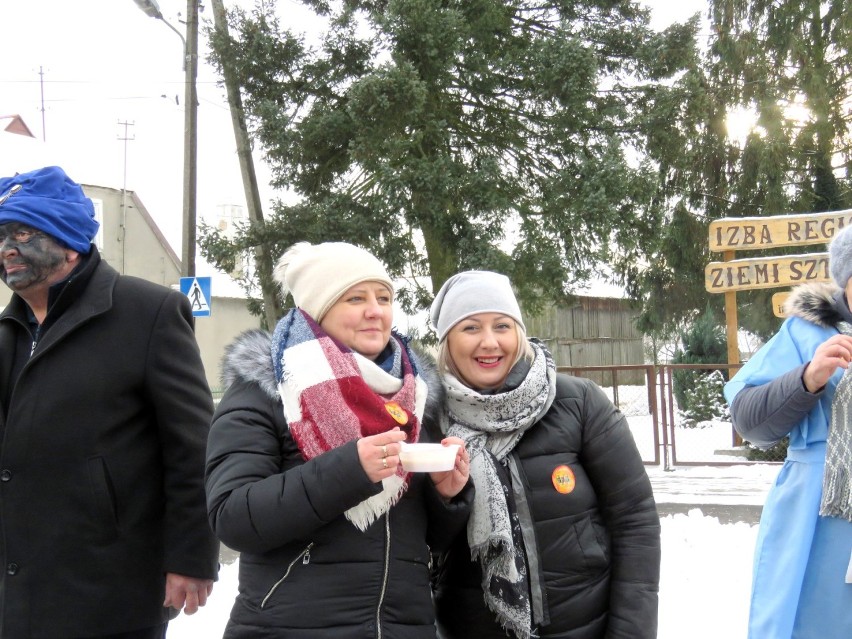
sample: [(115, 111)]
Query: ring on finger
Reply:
[(384, 451), (384, 462)]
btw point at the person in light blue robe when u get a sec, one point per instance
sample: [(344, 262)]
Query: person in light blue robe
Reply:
[(803, 560)]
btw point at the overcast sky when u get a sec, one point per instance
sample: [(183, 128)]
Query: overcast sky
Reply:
[(86, 74)]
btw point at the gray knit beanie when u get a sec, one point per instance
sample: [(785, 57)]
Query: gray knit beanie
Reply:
[(472, 292), (318, 274), (840, 257)]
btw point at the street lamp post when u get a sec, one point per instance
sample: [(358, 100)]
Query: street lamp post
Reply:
[(190, 134)]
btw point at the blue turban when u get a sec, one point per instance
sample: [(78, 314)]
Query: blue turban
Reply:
[(48, 200)]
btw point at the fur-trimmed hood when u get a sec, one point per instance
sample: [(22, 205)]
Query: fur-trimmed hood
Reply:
[(816, 303), (249, 358)]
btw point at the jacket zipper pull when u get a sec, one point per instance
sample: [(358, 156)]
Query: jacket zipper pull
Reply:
[(35, 340), (307, 558)]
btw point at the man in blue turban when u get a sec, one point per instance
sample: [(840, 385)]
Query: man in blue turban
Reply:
[(104, 410), (55, 223), (48, 200)]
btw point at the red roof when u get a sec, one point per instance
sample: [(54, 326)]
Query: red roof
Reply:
[(15, 124)]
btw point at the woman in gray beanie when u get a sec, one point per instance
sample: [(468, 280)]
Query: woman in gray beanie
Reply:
[(564, 534), (797, 385), (303, 468)]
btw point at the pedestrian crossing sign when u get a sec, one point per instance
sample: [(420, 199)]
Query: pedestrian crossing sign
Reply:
[(197, 290)]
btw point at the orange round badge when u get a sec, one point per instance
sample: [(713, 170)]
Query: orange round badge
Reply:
[(397, 412), (563, 479)]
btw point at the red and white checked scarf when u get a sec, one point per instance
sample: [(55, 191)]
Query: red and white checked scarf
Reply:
[(333, 395)]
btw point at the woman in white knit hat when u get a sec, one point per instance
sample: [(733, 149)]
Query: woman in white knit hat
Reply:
[(303, 468), (798, 386), (564, 534)]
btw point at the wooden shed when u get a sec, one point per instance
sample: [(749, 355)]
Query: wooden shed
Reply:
[(594, 331)]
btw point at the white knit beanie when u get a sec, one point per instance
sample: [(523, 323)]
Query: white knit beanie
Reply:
[(840, 257), (316, 275), (472, 292)]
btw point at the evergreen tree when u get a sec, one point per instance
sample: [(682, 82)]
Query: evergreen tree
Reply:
[(456, 134), (705, 400), (789, 63), (703, 343)]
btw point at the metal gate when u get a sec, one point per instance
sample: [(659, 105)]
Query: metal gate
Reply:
[(664, 433)]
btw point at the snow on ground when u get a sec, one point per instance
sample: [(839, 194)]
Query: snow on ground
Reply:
[(704, 589), (705, 577)]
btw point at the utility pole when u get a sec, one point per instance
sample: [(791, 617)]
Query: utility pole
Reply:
[(190, 132), (190, 146), (41, 84), (122, 231), (263, 260)]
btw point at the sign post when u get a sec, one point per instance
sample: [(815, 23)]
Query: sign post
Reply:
[(778, 301), (731, 322)]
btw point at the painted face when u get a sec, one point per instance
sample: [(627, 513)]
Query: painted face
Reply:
[(483, 348), (362, 318), (30, 257)]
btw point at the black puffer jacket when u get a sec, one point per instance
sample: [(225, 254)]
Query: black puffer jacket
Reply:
[(305, 570), (597, 545)]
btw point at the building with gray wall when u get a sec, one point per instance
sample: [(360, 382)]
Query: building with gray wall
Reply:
[(132, 243)]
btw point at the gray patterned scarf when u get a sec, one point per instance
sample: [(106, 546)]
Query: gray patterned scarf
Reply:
[(491, 426), (836, 485)]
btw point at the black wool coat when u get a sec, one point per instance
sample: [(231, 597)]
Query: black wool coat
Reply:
[(306, 572), (102, 458), (595, 529)]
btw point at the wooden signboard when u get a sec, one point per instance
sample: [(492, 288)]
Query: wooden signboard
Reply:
[(755, 233), (778, 301), (728, 235), (766, 272)]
